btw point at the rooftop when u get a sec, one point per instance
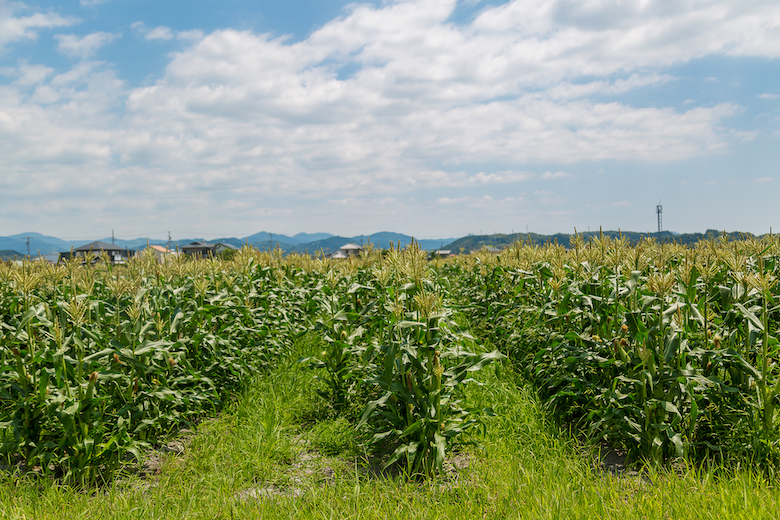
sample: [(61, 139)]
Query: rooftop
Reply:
[(99, 246)]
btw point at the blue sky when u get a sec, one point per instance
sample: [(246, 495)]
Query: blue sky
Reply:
[(435, 118)]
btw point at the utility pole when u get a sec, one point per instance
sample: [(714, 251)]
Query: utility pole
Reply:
[(28, 247), (169, 241), (112, 236), (270, 241), (659, 210)]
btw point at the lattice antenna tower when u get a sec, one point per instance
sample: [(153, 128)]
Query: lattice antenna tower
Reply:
[(659, 211)]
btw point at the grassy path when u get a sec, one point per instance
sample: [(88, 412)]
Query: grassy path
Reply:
[(265, 457)]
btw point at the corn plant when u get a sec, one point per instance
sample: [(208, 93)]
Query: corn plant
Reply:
[(420, 411), (665, 350), (392, 347), (100, 361)]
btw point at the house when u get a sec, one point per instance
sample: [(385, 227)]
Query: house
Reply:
[(221, 247), (349, 250), (162, 253), (116, 254), (443, 253), (205, 249), (158, 250), (198, 249), (52, 258)]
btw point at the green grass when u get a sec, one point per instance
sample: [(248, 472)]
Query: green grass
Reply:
[(525, 468)]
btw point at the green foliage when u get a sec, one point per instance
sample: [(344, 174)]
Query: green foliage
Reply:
[(100, 361), (664, 350), (393, 348), (233, 468), (335, 437), (98, 364)]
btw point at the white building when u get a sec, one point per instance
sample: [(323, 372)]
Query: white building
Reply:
[(350, 250)]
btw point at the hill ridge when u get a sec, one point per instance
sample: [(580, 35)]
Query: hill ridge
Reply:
[(472, 242)]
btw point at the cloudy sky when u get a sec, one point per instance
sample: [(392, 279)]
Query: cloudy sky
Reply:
[(435, 118)]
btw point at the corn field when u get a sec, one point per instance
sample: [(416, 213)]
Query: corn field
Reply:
[(99, 362), (667, 352)]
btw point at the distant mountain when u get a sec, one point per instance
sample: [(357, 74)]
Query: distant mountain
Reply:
[(328, 245), (6, 254), (301, 242), (314, 242), (39, 244), (269, 245), (302, 238), (264, 236), (473, 242), (381, 240), (384, 239)]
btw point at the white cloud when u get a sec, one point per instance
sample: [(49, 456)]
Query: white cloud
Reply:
[(566, 90), (769, 96), (58, 127), (762, 180), (415, 101), (15, 28), (194, 34), (354, 202), (162, 32), (448, 200), (252, 91), (27, 74), (426, 103), (502, 177), (485, 202), (743, 136), (83, 47), (548, 198)]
